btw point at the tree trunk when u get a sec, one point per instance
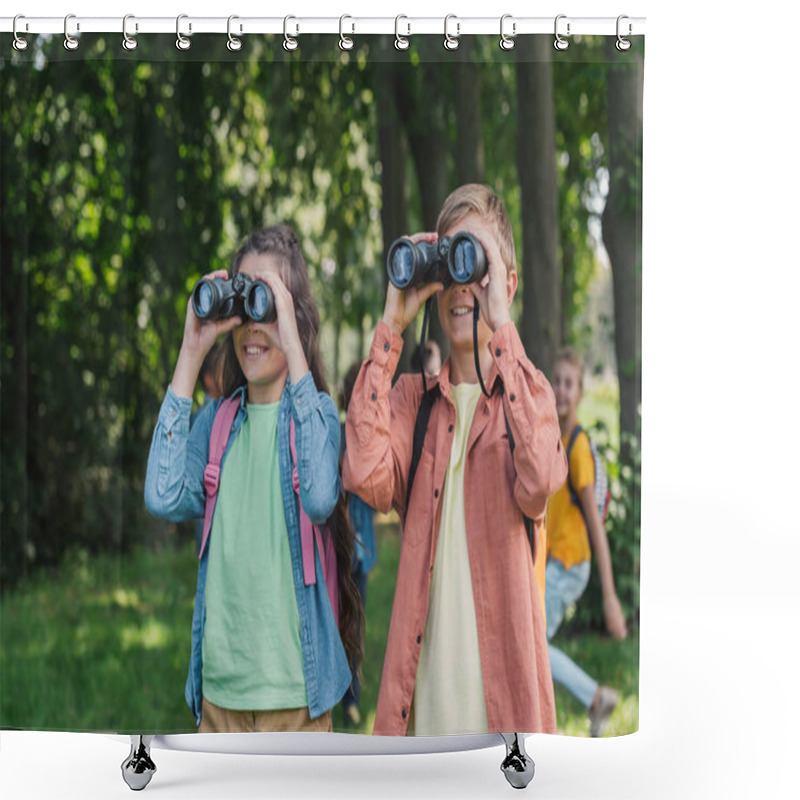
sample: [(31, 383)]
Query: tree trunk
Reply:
[(470, 166), (538, 177), (427, 137), (393, 155), (568, 263), (622, 221)]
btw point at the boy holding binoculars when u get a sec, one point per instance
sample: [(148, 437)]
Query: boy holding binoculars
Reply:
[(467, 649)]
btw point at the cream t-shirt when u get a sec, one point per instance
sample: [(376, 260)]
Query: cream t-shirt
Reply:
[(448, 694)]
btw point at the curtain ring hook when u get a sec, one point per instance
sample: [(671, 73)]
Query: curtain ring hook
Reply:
[(346, 42), (400, 42), (507, 42), (234, 44), (182, 42), (288, 42), (128, 42), (451, 42), (560, 42), (70, 42), (623, 44), (20, 43)]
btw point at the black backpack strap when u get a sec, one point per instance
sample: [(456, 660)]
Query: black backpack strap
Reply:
[(573, 495), (528, 521), (420, 429)]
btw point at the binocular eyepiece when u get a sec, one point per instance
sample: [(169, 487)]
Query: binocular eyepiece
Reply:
[(223, 298), (457, 259)]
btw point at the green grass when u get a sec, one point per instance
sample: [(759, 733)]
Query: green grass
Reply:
[(611, 663), (103, 645)]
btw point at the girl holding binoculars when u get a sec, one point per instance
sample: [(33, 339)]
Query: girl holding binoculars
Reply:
[(276, 625)]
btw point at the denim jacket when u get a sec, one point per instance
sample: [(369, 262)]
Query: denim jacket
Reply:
[(174, 491)]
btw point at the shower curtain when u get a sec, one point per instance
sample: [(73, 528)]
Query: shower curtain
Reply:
[(128, 174)]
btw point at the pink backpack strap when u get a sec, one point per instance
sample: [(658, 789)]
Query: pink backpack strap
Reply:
[(220, 433), (309, 533)]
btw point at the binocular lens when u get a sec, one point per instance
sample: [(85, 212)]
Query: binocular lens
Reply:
[(464, 261), (204, 299), (259, 301), (259, 304), (401, 265)]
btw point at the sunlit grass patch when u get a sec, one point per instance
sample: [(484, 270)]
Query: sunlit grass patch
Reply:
[(106, 647)]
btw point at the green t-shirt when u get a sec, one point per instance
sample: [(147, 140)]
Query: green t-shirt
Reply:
[(252, 659)]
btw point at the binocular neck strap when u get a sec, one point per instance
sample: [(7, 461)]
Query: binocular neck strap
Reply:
[(476, 315), (422, 339)]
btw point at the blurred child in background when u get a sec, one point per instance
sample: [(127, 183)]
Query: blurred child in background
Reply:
[(574, 530)]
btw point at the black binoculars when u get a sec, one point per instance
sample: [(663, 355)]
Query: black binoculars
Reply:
[(223, 298), (451, 259)]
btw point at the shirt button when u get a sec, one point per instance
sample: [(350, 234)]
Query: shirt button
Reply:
[(498, 351), (374, 396), (436, 493), (419, 639), (450, 429), (512, 398), (404, 713), (386, 346)]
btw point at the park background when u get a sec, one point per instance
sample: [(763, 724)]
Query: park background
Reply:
[(719, 241), (128, 176)]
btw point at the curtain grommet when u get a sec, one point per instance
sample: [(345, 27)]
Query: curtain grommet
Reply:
[(560, 42), (401, 42), (622, 44), (20, 43), (182, 42), (70, 42), (507, 42), (346, 42), (451, 42), (233, 44), (128, 42), (289, 43)]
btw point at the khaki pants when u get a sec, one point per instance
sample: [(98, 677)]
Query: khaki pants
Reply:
[(224, 720)]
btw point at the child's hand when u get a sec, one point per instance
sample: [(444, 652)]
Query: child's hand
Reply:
[(615, 619), (198, 336), (402, 305), (495, 291), (284, 335), (198, 339)]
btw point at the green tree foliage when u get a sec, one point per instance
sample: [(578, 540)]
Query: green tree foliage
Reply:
[(623, 527), (126, 176), (580, 123)]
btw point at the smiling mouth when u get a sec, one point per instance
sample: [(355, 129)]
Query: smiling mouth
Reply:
[(461, 311), (255, 350)]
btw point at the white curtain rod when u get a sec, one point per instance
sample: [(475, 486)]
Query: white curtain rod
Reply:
[(453, 25)]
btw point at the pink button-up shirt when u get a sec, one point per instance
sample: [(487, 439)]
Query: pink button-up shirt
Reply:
[(497, 491)]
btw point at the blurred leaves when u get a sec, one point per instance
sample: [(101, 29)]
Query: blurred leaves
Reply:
[(126, 176)]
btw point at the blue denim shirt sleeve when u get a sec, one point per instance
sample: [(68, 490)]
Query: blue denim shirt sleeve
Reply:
[(174, 483), (317, 435)]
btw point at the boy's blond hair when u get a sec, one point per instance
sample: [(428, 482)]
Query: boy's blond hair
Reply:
[(484, 202), (571, 356)]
